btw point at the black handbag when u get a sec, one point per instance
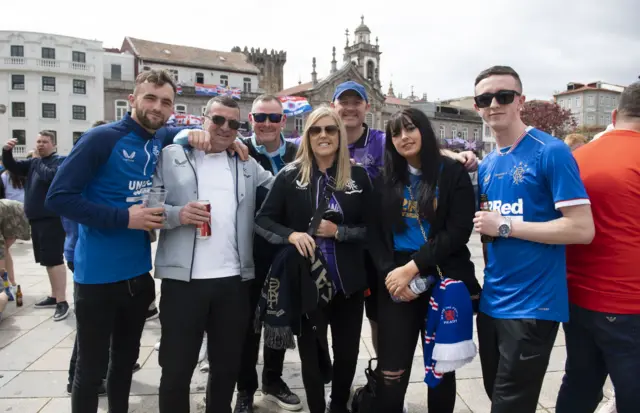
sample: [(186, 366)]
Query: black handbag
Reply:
[(364, 398)]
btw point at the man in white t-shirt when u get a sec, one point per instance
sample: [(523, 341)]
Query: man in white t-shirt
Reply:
[(205, 282)]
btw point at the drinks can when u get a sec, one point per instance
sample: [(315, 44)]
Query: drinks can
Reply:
[(204, 229)]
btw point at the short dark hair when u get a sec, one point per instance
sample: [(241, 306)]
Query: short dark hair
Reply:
[(99, 123), (224, 100), (266, 98), (158, 77), (497, 71), (48, 134), (629, 105)]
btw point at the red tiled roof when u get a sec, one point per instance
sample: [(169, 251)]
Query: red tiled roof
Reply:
[(295, 89), (396, 101)]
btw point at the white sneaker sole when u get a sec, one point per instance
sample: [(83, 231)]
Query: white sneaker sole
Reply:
[(62, 317), (281, 404)]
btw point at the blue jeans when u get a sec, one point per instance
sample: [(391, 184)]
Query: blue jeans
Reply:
[(600, 344)]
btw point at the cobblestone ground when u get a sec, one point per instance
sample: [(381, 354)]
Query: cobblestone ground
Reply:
[(35, 352)]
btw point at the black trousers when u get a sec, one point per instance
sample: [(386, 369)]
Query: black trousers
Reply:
[(344, 315), (219, 306), (514, 354), (273, 359), (399, 326), (108, 316)]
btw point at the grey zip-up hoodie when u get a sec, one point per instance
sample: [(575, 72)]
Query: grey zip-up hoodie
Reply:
[(176, 172)]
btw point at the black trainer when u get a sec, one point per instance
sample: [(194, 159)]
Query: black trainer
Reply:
[(281, 395), (102, 390), (244, 403), (62, 311), (46, 302), (136, 367)]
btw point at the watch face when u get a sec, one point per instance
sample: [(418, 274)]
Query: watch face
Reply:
[(503, 230)]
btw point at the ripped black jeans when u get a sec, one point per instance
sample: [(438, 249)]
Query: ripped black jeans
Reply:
[(399, 327)]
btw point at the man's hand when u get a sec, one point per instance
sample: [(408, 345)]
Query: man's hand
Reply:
[(469, 160), (487, 223), (11, 143), (240, 148), (145, 218), (303, 242), (326, 229), (200, 139), (398, 279), (35, 153), (194, 213)]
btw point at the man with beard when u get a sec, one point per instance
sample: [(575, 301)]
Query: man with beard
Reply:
[(99, 186)]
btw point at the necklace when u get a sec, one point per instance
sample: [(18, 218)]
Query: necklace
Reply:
[(500, 153)]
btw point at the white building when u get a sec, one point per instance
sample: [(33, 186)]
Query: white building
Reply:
[(488, 139), (49, 82)]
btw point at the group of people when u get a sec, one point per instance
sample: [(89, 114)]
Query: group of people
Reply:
[(308, 235)]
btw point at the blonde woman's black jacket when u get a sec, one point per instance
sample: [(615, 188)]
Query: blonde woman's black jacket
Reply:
[(448, 234), (290, 205)]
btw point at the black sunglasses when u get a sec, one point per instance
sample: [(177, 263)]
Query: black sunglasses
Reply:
[(221, 120), (262, 117), (329, 130), (503, 97)]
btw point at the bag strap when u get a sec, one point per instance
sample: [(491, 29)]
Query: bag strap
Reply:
[(329, 188)]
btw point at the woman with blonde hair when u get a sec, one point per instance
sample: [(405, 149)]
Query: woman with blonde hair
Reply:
[(575, 140), (323, 175)]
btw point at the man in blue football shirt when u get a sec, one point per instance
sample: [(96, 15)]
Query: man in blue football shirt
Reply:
[(538, 204)]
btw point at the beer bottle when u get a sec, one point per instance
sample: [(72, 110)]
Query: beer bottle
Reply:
[(19, 297), (484, 206)]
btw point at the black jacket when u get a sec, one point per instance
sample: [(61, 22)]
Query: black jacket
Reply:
[(263, 252), (290, 206), (39, 173), (448, 234)]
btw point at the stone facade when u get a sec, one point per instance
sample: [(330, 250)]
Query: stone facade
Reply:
[(271, 65)]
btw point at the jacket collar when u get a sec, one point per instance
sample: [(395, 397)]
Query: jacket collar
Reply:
[(261, 149), (130, 123)]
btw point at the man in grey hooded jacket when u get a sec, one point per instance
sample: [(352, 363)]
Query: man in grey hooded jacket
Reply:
[(204, 286)]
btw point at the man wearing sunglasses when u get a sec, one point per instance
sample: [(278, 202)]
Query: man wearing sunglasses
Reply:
[(538, 204), (206, 282), (269, 148)]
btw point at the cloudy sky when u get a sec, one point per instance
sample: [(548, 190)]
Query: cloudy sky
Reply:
[(435, 46)]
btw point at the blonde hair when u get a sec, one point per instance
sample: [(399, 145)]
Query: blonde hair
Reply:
[(305, 156), (574, 139)]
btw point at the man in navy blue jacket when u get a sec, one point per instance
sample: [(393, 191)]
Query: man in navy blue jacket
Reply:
[(100, 186)]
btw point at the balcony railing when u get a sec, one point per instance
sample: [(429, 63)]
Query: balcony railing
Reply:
[(20, 151), (46, 65)]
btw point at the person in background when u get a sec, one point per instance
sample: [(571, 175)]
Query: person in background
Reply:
[(13, 186), (575, 141), (4, 299), (603, 332), (47, 233), (13, 225)]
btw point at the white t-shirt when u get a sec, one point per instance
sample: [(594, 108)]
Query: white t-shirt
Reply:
[(9, 191), (217, 257)]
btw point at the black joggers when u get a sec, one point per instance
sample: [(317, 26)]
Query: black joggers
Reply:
[(109, 316), (219, 306), (514, 354)]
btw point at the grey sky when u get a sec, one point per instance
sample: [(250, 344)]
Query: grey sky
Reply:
[(436, 46)]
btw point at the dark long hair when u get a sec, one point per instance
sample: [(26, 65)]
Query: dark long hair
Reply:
[(396, 169), (17, 181)]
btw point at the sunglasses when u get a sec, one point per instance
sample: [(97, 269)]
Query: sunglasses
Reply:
[(262, 117), (503, 97), (331, 130), (221, 120)]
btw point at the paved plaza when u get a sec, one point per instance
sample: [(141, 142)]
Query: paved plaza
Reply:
[(35, 352)]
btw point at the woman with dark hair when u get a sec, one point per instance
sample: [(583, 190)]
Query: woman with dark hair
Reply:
[(426, 221), (13, 189)]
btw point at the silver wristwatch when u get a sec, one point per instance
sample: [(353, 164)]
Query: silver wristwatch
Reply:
[(504, 230)]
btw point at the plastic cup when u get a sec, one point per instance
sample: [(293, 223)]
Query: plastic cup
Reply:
[(154, 198)]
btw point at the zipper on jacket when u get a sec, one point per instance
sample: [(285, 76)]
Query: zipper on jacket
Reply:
[(238, 207), (195, 233)]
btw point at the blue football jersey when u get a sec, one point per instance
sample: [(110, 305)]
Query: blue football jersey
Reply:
[(526, 279)]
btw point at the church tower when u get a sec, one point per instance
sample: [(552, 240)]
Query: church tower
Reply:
[(364, 54)]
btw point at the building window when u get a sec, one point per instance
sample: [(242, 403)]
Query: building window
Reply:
[(590, 100), (49, 110), (298, 123), (591, 119), (368, 119), (20, 135), (476, 134), (17, 51), (454, 131), (48, 83), (443, 132), (180, 109), (79, 112), (17, 82), (487, 130), (569, 103), (614, 101), (200, 78), (465, 133), (204, 110), (607, 119), (122, 107), (76, 136), (578, 102), (18, 109), (146, 68), (384, 125), (116, 72), (601, 100), (48, 53), (79, 57), (224, 80), (247, 85), (174, 72), (79, 87)]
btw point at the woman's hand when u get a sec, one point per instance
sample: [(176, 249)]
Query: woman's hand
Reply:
[(326, 229), (303, 242), (406, 294), (398, 279)]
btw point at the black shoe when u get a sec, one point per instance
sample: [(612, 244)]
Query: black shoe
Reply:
[(102, 390), (333, 409), (244, 403), (136, 367), (46, 302), (152, 314), (62, 311), (281, 395)]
